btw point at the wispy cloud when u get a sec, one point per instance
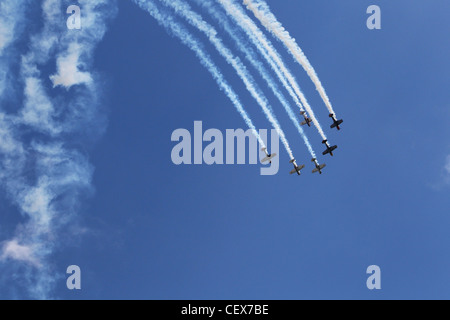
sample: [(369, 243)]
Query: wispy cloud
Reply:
[(41, 171), (447, 165), (68, 72), (443, 180), (11, 17), (10, 14), (13, 250)]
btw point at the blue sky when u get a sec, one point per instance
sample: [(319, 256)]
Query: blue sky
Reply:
[(154, 230)]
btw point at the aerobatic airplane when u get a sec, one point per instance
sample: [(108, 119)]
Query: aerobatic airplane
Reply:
[(268, 157), (329, 149), (296, 167), (307, 119), (336, 123), (319, 167)]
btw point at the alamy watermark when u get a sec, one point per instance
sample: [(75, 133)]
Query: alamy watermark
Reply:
[(74, 280), (74, 21), (374, 21), (241, 147), (374, 280)]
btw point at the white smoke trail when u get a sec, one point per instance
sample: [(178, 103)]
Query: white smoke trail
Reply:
[(263, 13), (184, 10), (266, 48), (254, 61), (177, 30), (41, 171)]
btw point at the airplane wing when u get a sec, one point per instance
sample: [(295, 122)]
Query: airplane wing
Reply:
[(315, 170), (329, 150), (334, 125), (322, 166), (293, 171), (303, 123), (269, 158), (301, 167)]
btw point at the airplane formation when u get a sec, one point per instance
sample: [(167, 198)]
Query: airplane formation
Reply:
[(329, 149)]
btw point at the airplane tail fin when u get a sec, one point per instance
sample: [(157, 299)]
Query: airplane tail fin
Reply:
[(324, 141), (292, 161), (313, 159)]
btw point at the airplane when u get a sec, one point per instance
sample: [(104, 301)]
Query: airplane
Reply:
[(319, 167), (307, 120), (268, 157), (336, 123), (329, 148), (296, 167)]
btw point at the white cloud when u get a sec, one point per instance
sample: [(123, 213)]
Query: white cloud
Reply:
[(13, 250), (447, 165), (38, 109), (8, 10), (68, 73), (36, 202), (42, 174)]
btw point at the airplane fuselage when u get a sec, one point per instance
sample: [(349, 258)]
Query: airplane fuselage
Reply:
[(318, 166), (297, 168), (329, 149), (307, 120), (336, 123)]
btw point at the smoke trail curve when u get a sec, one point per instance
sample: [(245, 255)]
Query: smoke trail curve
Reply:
[(263, 13), (196, 20)]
